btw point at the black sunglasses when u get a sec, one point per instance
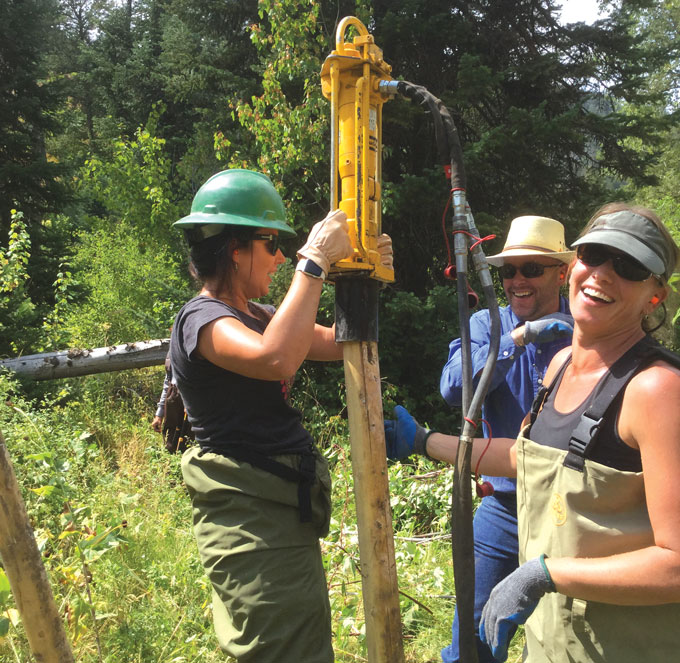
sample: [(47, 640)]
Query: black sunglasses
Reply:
[(529, 270), (626, 267), (272, 240)]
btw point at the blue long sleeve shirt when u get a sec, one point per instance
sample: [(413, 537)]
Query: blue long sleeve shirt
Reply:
[(517, 377)]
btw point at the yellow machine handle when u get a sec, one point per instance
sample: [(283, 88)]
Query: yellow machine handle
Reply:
[(350, 78)]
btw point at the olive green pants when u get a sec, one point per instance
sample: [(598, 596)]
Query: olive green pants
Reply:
[(270, 599)]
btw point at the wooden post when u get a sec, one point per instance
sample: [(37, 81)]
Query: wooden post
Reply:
[(26, 573), (374, 515), (356, 326)]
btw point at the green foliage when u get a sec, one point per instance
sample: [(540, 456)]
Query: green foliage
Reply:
[(130, 279), (20, 316), (55, 333), (289, 120), (112, 522), (29, 97), (14, 260), (414, 338), (6, 607), (17, 310), (134, 288), (134, 184)]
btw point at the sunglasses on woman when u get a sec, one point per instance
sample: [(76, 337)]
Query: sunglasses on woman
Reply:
[(594, 255), (529, 270), (272, 240)]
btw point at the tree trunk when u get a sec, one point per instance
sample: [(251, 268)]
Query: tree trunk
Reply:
[(74, 362)]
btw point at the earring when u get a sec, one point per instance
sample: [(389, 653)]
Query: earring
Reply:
[(236, 267)]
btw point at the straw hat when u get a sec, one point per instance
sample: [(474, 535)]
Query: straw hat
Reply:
[(534, 236)]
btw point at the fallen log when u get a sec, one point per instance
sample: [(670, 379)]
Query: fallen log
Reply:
[(83, 361)]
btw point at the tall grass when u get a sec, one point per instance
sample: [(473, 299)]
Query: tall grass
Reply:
[(113, 521)]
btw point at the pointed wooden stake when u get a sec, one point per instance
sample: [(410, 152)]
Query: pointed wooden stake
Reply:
[(26, 572)]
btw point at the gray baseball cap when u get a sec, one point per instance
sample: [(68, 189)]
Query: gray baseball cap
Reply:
[(636, 236)]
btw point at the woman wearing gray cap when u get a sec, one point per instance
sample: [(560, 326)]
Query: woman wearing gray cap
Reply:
[(596, 464)]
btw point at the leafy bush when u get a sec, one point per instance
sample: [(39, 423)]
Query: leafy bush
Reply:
[(133, 288), (414, 338)]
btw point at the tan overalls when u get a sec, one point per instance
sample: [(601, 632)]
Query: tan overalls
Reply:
[(596, 513)]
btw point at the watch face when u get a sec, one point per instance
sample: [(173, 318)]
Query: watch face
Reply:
[(313, 268), (309, 267)]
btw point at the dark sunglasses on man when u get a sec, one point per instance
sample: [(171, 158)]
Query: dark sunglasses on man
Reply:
[(272, 240), (529, 270), (594, 255)]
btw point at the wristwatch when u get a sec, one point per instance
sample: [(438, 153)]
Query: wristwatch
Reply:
[(310, 268)]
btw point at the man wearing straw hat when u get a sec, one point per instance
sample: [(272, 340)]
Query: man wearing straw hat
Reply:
[(534, 326)]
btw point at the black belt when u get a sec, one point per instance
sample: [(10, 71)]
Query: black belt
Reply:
[(304, 476)]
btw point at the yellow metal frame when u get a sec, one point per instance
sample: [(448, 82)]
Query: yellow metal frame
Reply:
[(349, 78)]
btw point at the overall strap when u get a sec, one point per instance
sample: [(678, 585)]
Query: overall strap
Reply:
[(585, 434), (544, 391)]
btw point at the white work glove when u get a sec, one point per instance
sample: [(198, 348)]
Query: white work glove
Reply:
[(385, 251), (328, 241)]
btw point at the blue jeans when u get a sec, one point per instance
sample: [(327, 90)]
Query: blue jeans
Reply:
[(495, 532)]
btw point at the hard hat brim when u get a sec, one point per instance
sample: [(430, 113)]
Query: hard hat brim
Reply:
[(199, 219)]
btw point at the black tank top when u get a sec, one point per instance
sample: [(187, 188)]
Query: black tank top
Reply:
[(553, 429), (227, 410)]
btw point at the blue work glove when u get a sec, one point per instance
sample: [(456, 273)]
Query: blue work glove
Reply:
[(404, 435), (511, 603), (548, 328)]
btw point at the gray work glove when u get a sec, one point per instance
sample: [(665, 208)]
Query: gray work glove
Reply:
[(511, 603), (328, 241), (548, 328)]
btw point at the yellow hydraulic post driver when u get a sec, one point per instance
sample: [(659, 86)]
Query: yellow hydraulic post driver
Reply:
[(357, 81), (350, 78)]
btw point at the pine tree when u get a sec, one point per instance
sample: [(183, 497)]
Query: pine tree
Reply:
[(29, 99)]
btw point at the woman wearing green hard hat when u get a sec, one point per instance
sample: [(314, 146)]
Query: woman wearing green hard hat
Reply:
[(260, 489)]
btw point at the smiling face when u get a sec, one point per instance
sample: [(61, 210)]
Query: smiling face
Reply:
[(256, 265), (601, 301), (532, 298)]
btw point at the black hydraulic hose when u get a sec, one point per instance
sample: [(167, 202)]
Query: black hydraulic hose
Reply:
[(458, 177), (446, 134), (462, 549), (462, 539), (461, 505), (422, 96)]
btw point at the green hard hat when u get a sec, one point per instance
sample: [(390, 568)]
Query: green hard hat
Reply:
[(236, 198)]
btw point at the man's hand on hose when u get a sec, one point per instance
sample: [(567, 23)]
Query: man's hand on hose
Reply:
[(548, 328), (511, 603), (404, 435)]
